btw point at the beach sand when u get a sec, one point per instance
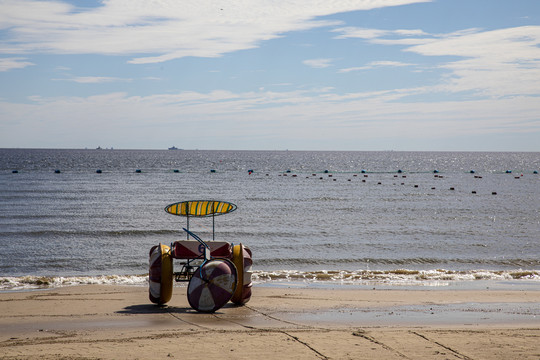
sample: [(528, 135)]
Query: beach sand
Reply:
[(119, 322)]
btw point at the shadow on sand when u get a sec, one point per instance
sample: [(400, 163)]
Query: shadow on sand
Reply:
[(161, 309)]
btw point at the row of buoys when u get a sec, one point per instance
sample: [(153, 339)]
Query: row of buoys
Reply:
[(98, 171), (251, 171), (363, 171), (380, 183)]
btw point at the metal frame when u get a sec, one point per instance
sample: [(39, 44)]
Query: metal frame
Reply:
[(190, 266)]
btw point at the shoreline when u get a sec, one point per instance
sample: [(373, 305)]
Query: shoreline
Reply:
[(516, 279), (111, 322)]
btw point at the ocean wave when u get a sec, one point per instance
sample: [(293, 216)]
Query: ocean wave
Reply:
[(397, 277), (436, 277), (40, 282)]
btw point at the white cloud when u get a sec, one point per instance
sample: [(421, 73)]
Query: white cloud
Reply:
[(162, 30), (375, 34), (11, 63), (362, 33), (376, 64), (310, 115), (318, 63), (496, 63), (95, 79)]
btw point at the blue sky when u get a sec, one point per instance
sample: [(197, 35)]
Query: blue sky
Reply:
[(440, 75)]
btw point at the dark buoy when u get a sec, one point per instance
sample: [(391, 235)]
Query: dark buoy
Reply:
[(15, 172), (138, 171), (212, 170), (435, 171), (535, 172), (452, 188), (363, 180), (363, 171), (494, 193), (508, 171), (176, 170), (98, 171), (57, 171), (400, 171), (415, 186), (472, 171), (379, 183), (288, 171), (433, 188), (326, 171), (474, 192)]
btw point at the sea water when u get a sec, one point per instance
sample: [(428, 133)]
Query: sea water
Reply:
[(347, 217)]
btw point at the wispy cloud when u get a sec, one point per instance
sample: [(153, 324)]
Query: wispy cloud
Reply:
[(374, 34), (94, 79), (162, 30), (497, 63), (502, 62), (309, 114), (376, 64), (318, 63), (11, 63)]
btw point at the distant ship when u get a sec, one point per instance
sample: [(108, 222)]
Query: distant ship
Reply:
[(173, 148)]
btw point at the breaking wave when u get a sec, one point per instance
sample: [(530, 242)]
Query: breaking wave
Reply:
[(438, 277)]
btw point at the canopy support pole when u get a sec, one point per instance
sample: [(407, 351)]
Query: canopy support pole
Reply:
[(213, 222), (187, 233)]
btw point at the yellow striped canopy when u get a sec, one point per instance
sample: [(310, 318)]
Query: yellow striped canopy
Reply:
[(200, 208)]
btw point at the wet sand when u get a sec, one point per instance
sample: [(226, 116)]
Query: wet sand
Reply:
[(119, 322)]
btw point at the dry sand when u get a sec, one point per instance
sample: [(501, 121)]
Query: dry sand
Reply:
[(118, 322)]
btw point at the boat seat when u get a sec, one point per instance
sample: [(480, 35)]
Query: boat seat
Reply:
[(191, 249)]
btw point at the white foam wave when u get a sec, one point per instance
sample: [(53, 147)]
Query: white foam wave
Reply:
[(435, 278), (37, 282)]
